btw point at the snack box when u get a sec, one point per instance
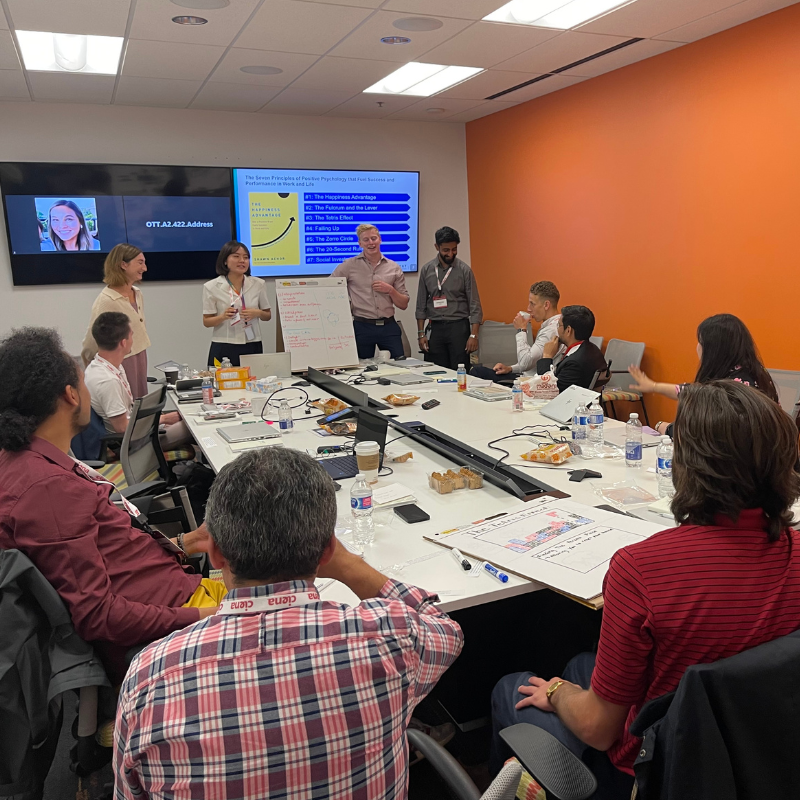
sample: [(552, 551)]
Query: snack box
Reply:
[(233, 374)]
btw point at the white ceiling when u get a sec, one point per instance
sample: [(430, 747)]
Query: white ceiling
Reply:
[(329, 51)]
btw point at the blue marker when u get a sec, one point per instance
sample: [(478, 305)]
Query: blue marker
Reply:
[(495, 573), (446, 380)]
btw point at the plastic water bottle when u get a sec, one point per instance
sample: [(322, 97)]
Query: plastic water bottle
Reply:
[(664, 468), (285, 421), (517, 398), (226, 363), (461, 374), (208, 390), (184, 374), (596, 421), (633, 442), (580, 429), (361, 509)]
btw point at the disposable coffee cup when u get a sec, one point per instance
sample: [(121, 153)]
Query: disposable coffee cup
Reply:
[(171, 375), (384, 355), (368, 456)]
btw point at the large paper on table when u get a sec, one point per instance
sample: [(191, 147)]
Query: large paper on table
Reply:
[(316, 323), (560, 543)]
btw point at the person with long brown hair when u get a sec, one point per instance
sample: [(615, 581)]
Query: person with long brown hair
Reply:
[(725, 580), (124, 267)]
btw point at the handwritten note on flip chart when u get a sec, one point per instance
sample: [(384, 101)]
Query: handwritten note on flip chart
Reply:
[(316, 322)]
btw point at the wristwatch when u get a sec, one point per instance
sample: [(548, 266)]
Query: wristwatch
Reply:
[(473, 336), (551, 690)]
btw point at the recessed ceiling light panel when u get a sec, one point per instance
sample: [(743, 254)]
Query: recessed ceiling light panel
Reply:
[(395, 40), (189, 20), (201, 5), (422, 80), (44, 51), (418, 24), (559, 14), (257, 69)]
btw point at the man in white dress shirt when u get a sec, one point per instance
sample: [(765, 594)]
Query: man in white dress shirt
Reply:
[(108, 385), (543, 308)]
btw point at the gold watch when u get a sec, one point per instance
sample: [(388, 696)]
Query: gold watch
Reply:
[(552, 689)]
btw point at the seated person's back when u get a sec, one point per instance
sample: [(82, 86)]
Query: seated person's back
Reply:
[(282, 694), (582, 358), (119, 584)]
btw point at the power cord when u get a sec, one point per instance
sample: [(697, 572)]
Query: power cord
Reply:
[(303, 401), (524, 432)]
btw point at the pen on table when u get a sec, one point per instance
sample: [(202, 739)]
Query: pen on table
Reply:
[(495, 573), (465, 565), (494, 516), (447, 380)]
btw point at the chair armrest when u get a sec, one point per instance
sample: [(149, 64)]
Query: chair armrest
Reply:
[(556, 768), (450, 771), (139, 490), (94, 464)]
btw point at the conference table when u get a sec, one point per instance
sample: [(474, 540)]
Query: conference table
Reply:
[(399, 550)]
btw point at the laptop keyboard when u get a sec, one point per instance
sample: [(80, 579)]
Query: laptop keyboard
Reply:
[(340, 467)]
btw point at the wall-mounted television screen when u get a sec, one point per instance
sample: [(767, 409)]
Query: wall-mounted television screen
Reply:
[(62, 219), (303, 221)]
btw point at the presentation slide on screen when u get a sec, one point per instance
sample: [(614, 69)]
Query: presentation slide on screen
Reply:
[(164, 224), (303, 222)]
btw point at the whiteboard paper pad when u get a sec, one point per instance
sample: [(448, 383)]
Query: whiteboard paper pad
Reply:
[(559, 543), (316, 322)]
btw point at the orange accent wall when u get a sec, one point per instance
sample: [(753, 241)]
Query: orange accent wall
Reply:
[(657, 195)]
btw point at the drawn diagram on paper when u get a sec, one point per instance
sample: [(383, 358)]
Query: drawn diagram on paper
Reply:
[(556, 523)]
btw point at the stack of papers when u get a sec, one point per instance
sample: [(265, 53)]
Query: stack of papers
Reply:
[(395, 494)]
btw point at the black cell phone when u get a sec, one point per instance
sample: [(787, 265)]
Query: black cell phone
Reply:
[(411, 513), (435, 372)]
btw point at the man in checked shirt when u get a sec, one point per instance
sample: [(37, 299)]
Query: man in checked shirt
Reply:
[(282, 694)]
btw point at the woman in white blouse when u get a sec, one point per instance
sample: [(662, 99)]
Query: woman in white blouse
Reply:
[(234, 304)]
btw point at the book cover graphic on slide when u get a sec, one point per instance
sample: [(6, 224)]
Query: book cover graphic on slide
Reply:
[(274, 229)]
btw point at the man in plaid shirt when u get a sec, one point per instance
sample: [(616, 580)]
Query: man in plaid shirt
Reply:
[(282, 694)]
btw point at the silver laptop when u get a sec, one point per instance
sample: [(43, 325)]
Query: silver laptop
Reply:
[(562, 408), (407, 378), (490, 394), (266, 364), (248, 432)]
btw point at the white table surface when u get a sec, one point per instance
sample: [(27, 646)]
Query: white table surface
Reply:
[(470, 420)]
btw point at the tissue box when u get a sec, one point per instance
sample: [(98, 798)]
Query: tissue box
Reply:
[(264, 385)]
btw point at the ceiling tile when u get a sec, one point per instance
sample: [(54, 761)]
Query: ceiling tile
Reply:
[(3, 21), (170, 59), (366, 105), (722, 20), (298, 101), (483, 110), (59, 87), (548, 85), (153, 20), (486, 44), (163, 92), (419, 110), (359, 3), (103, 18), (344, 74), (294, 27), (365, 41), (651, 17), (292, 64), (489, 82), (8, 53), (462, 9), (12, 85), (234, 96), (564, 49), (621, 58)]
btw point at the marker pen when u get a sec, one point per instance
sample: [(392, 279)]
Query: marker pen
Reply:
[(495, 573), (465, 565)]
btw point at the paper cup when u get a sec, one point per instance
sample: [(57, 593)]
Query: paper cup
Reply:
[(368, 455), (171, 376), (384, 355)]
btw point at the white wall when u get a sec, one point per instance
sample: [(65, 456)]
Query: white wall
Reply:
[(119, 134)]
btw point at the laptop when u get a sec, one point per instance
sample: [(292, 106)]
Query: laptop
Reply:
[(408, 379), (190, 390), (267, 364), (344, 391), (248, 432), (490, 394), (562, 408), (371, 427)]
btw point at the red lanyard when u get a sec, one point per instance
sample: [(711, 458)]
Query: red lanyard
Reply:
[(117, 374), (272, 602)]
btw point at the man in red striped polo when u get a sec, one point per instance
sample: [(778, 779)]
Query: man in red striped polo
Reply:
[(725, 580)]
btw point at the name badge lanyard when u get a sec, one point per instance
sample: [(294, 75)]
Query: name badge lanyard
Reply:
[(249, 333), (115, 372), (95, 477), (273, 602), (440, 301)]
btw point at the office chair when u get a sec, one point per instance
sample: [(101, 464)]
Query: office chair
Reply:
[(92, 444), (601, 378), (141, 455), (618, 388), (787, 383)]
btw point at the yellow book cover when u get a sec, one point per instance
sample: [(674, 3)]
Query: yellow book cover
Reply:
[(274, 229)]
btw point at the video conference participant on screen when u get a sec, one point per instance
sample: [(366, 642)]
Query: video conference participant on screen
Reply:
[(67, 229), (124, 266), (375, 285), (233, 305)]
